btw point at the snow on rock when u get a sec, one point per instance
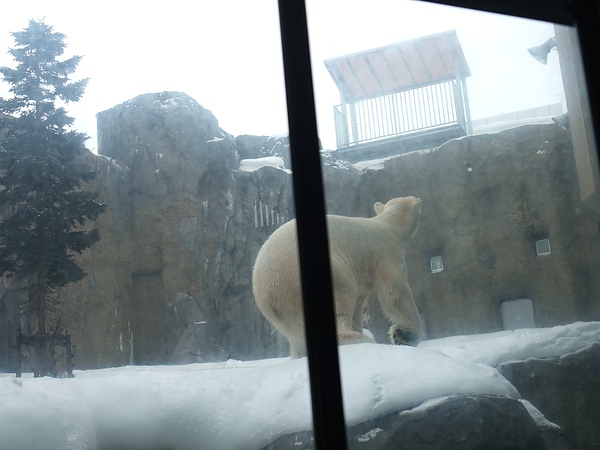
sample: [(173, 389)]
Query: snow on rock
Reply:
[(537, 416), (171, 103), (195, 406), (379, 164), (111, 161), (230, 405), (43, 413), (496, 127), (380, 379), (372, 164), (371, 434), (517, 345), (245, 405), (330, 159), (251, 165)]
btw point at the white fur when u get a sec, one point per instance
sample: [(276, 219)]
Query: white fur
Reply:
[(366, 255)]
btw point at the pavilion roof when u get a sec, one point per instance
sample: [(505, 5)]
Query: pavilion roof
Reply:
[(399, 67)]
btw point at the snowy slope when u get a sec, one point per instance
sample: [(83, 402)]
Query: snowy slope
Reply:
[(235, 405)]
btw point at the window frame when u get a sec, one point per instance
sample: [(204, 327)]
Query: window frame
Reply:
[(325, 385)]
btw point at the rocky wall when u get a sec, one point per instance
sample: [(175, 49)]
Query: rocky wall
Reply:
[(170, 280), (486, 200)]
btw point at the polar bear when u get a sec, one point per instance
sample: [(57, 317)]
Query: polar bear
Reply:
[(367, 254)]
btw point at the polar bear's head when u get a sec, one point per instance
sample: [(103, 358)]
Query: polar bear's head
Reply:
[(403, 211)]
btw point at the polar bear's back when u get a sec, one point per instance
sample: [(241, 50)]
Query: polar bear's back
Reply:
[(346, 235), (354, 241)]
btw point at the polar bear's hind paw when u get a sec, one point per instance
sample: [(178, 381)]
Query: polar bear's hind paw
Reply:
[(401, 337)]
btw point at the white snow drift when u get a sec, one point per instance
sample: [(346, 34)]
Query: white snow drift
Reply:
[(245, 405)]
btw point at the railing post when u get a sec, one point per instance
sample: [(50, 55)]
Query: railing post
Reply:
[(353, 122), (342, 138), (460, 99)]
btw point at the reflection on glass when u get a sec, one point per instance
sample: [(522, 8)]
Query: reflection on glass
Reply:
[(448, 105), (190, 145)]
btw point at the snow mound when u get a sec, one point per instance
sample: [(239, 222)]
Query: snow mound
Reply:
[(517, 345), (235, 404), (227, 406), (380, 379)]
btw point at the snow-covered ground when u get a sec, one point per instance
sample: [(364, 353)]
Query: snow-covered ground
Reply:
[(245, 405)]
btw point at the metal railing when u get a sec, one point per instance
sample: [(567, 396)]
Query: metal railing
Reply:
[(398, 113), (265, 216)]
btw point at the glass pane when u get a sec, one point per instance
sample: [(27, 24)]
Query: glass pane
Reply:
[(186, 113), (174, 343), (484, 119)]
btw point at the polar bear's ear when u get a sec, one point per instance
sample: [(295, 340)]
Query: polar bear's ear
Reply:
[(379, 207)]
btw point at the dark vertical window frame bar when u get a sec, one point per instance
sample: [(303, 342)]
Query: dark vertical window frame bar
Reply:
[(319, 315), (587, 24), (583, 14)]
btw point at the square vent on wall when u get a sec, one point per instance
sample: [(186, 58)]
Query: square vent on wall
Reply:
[(517, 314), (436, 263)]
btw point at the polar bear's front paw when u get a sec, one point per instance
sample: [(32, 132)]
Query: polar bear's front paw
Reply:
[(402, 337)]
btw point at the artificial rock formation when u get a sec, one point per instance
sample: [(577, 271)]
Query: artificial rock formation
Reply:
[(486, 200), (566, 390), (170, 280), (455, 423), (186, 227)]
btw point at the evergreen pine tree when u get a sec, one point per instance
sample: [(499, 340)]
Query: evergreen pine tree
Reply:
[(44, 207)]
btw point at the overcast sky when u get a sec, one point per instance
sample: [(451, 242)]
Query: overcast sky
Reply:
[(226, 54)]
